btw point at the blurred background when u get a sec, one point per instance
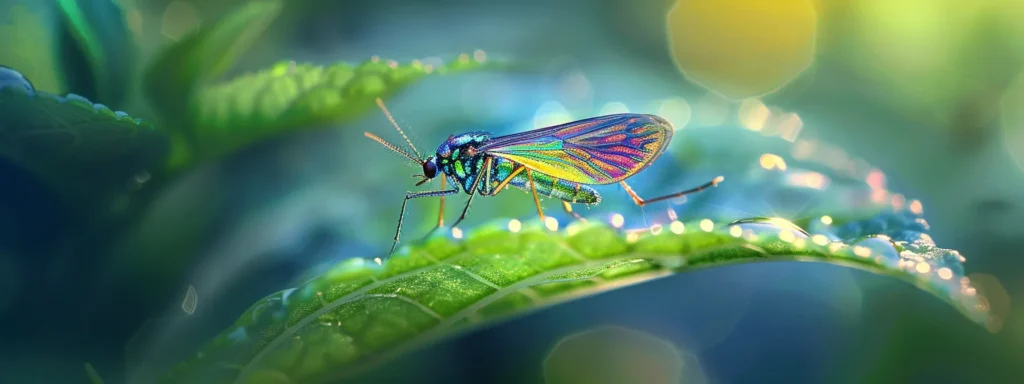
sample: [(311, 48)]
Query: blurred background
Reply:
[(929, 91)]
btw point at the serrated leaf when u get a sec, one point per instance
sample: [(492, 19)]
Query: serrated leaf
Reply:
[(359, 315), (72, 144), (96, 50), (290, 96), (180, 70)]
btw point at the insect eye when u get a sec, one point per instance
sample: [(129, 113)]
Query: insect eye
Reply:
[(429, 169)]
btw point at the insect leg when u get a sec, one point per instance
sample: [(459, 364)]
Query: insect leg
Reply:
[(536, 200), (508, 179), (410, 196), (487, 164), (641, 202), (568, 209), (440, 209)]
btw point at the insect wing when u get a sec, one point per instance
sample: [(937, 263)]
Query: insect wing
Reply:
[(600, 150)]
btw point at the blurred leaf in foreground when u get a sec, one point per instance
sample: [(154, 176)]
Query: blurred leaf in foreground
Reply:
[(75, 146), (182, 69)]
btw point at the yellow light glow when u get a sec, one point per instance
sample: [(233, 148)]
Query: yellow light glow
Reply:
[(456, 233), (827, 220), (677, 227), (861, 251), (742, 48), (618, 221), (632, 237), (753, 114), (572, 229), (820, 240), (787, 236), (736, 231), (923, 267), (377, 260), (707, 225), (480, 56), (514, 225), (551, 223), (772, 161)]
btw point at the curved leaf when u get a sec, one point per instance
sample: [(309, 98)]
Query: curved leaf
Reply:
[(359, 315), (290, 96), (180, 70), (96, 49), (72, 144)]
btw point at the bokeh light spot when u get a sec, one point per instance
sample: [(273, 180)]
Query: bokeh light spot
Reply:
[(613, 354), (677, 111), (514, 225), (613, 108), (180, 18), (742, 48)]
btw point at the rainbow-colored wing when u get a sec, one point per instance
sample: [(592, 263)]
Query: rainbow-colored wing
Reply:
[(599, 150)]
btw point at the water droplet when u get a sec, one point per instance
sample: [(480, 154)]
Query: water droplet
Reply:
[(760, 226), (656, 229), (878, 246), (10, 78), (191, 300)]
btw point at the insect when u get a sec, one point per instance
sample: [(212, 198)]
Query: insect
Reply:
[(562, 162)]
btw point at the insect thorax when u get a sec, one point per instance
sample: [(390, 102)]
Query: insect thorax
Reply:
[(457, 157)]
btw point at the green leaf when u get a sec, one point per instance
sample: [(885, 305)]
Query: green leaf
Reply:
[(94, 377), (96, 50), (75, 146), (289, 97), (359, 315), (183, 68)]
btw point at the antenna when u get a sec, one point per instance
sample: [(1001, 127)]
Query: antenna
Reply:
[(392, 147), (380, 103)]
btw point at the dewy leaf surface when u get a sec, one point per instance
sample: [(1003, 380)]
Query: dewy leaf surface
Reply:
[(359, 314), (291, 96), (71, 143)]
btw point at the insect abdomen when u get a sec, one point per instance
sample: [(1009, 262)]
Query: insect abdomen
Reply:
[(547, 186)]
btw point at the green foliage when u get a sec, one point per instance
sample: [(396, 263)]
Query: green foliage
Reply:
[(211, 119), (177, 73), (27, 28), (359, 315), (77, 147), (96, 49), (290, 97)]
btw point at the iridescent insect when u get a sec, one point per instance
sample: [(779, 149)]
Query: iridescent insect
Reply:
[(560, 162)]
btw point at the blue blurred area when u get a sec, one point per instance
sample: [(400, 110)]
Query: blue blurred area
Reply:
[(288, 208)]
